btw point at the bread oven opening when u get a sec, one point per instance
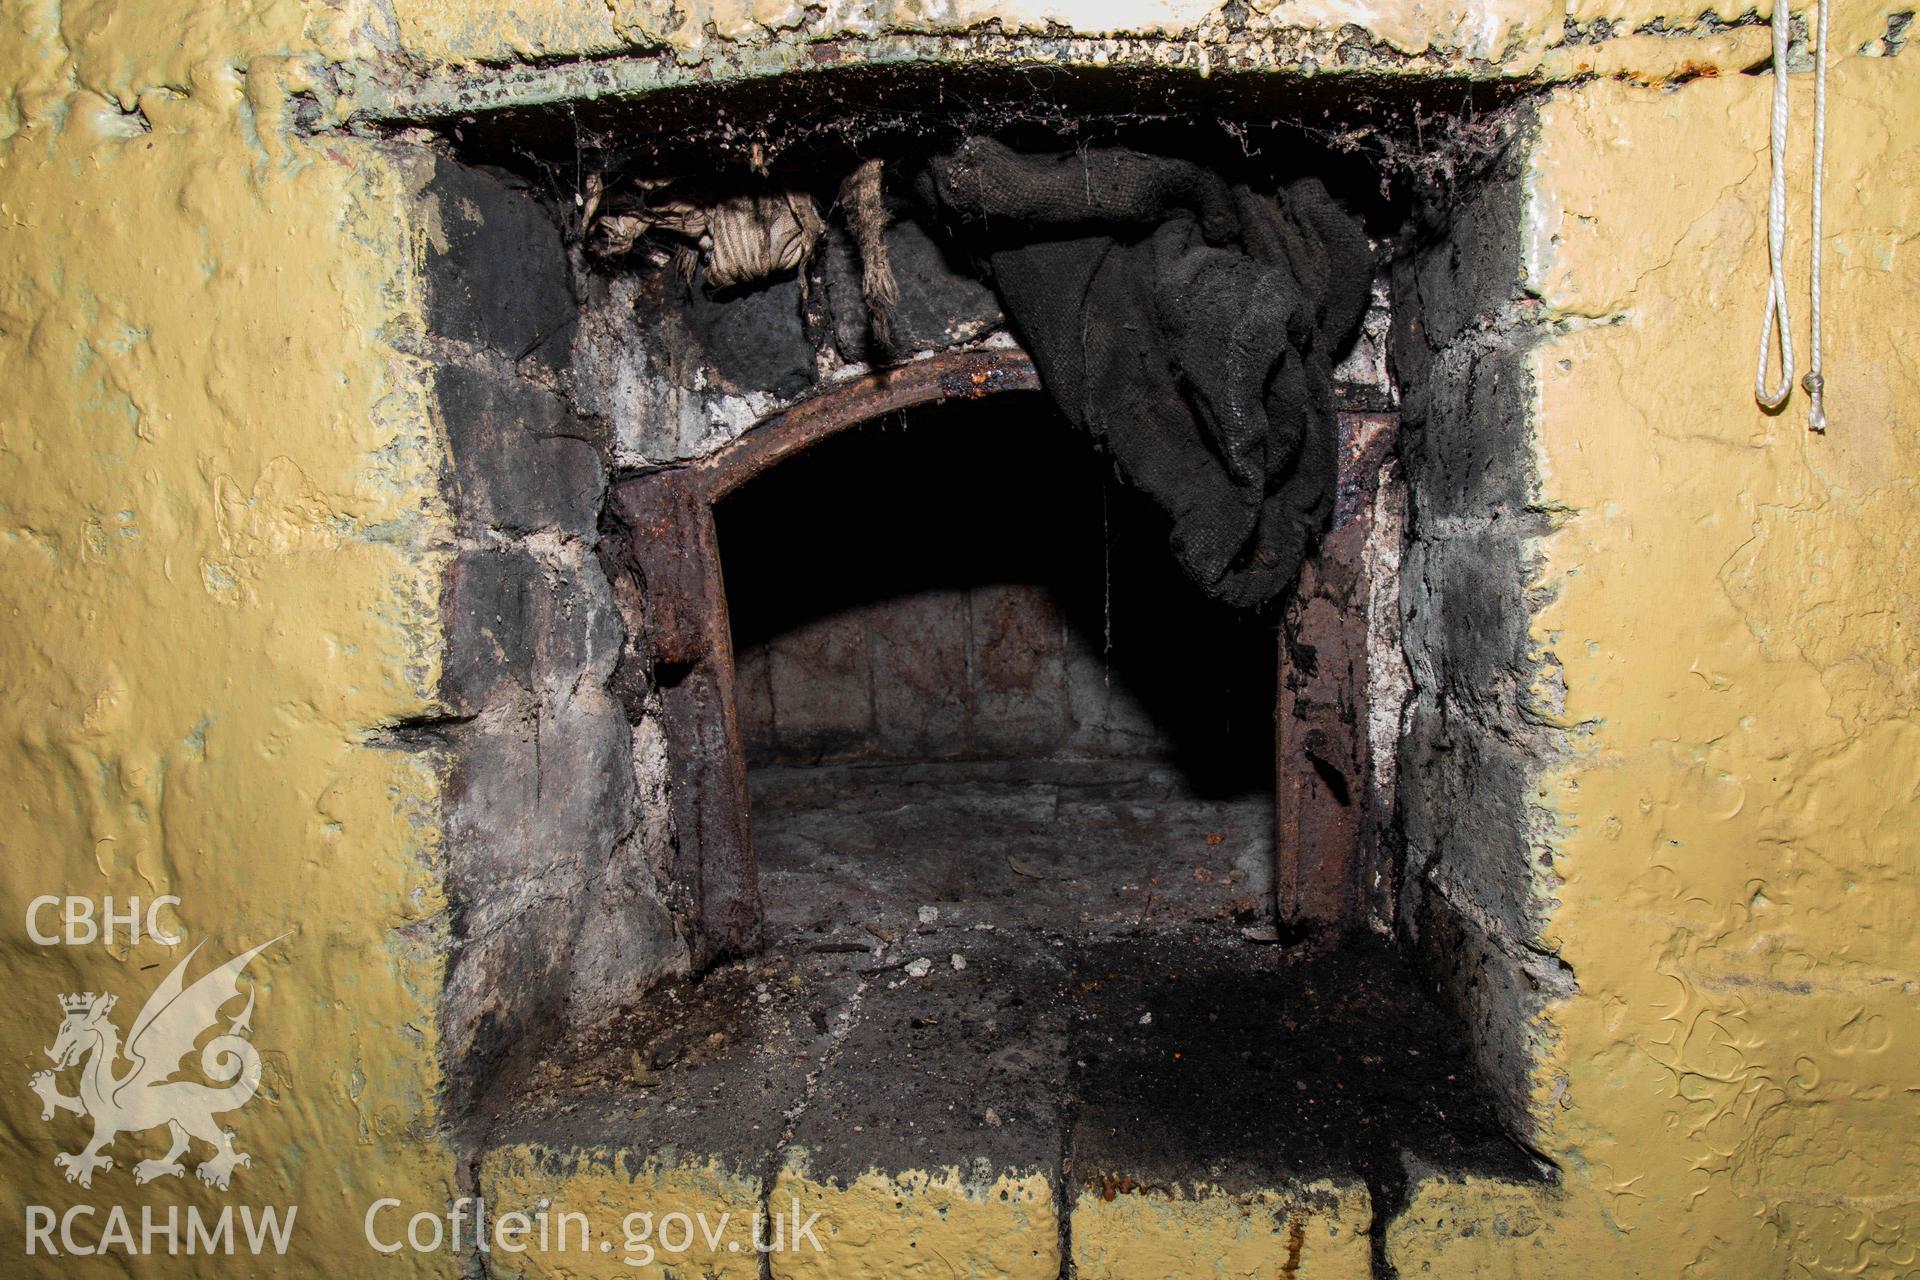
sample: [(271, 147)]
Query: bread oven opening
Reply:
[(889, 783), (973, 683)]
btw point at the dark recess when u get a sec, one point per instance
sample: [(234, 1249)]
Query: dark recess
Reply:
[(1005, 492), (1360, 133)]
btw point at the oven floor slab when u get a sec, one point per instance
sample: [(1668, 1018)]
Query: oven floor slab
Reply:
[(973, 1099), (1085, 845)]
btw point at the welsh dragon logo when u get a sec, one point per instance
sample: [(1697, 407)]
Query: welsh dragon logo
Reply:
[(146, 1096)]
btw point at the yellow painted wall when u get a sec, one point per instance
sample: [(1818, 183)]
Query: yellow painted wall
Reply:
[(216, 509), (1734, 604), (1476, 37), (1737, 614), (219, 515)]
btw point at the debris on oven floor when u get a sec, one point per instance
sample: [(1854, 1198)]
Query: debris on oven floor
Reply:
[(852, 853), (962, 974)]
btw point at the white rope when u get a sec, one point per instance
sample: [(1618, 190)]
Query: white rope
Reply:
[(1815, 384), (1776, 316)]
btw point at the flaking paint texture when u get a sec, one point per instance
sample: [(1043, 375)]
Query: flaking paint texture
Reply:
[(1313, 1232), (1493, 37), (217, 513), (1731, 602), (920, 1225), (610, 1188)]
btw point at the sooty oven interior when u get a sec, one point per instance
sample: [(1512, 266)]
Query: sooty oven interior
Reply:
[(1047, 651)]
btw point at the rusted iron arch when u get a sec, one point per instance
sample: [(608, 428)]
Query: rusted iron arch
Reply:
[(671, 557), (967, 375)]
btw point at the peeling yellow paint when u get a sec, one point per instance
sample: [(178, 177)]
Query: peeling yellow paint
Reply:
[(1652, 59), (1732, 603), (218, 501), (1506, 36), (1479, 31), (623, 1197), (1490, 1230), (1853, 23), (498, 32), (1318, 1231), (918, 1225)]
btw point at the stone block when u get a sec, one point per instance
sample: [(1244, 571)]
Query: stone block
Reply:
[(1467, 817), (579, 633), (940, 302), (542, 798), (1474, 270), (754, 338), (1019, 671), (497, 272), (1495, 986), (1468, 451), (1311, 1231), (516, 625), (822, 688), (920, 675), (1463, 601), (505, 979), (933, 1139), (490, 604), (533, 810), (520, 461)]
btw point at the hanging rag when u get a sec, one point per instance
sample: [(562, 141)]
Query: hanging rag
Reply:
[(1188, 324)]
